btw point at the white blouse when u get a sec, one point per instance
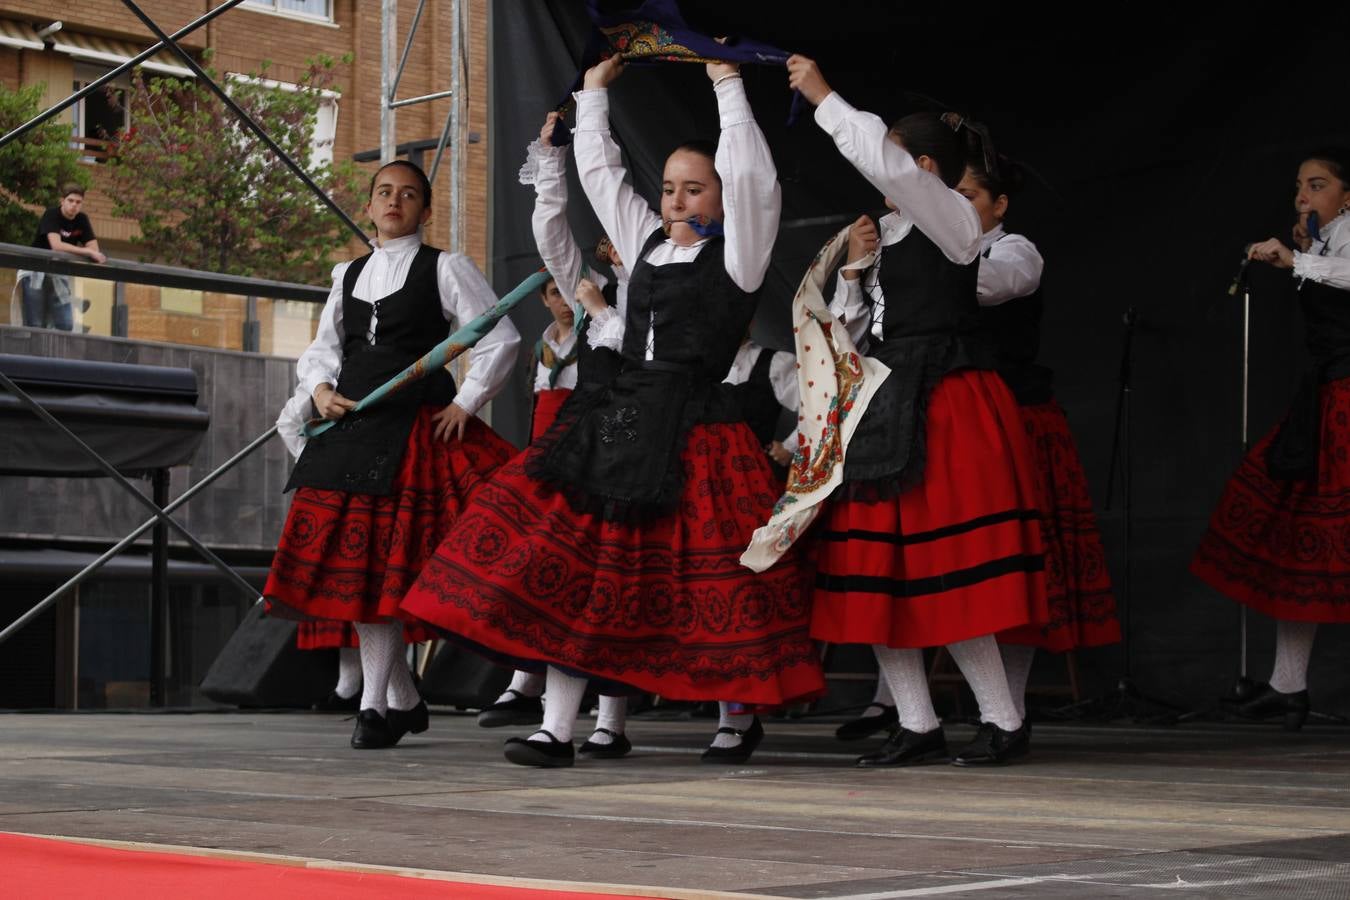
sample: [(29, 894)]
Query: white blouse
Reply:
[(751, 197), (464, 295), (1328, 259), (1011, 270)]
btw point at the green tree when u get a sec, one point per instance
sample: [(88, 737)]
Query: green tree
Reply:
[(209, 195), (33, 168)]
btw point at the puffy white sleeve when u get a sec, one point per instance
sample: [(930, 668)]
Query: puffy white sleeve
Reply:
[(1012, 269), (466, 295), (322, 360), (939, 212)]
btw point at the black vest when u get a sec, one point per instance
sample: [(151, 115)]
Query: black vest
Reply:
[(1013, 329), (616, 451), (931, 326), (363, 452)]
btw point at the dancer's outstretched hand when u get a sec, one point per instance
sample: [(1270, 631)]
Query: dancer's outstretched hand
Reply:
[(546, 133), (804, 75), (719, 70), (1273, 252), (600, 75)]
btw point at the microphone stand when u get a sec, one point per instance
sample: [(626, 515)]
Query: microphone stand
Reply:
[(1125, 700)]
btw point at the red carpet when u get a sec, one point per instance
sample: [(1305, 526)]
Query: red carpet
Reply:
[(43, 867)]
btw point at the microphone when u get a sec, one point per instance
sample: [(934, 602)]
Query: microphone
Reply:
[(1314, 225), (1241, 275)]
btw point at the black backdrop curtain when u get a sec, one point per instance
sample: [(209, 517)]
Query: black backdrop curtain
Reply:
[(1162, 141)]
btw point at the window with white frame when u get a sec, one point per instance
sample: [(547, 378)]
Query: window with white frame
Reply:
[(99, 116), (310, 9)]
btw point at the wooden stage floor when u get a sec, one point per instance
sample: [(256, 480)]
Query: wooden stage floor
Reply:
[(1201, 810)]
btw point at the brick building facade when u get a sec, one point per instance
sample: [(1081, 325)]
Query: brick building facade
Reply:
[(284, 33)]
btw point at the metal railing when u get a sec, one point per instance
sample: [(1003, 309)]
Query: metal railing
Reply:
[(122, 272)]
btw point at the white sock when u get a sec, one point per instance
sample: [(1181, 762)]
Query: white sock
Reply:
[(562, 700), (1293, 649), (979, 661), (725, 719), (526, 684), (882, 697), (613, 716), (905, 676), (349, 672), (402, 692), (381, 647), (1017, 659)]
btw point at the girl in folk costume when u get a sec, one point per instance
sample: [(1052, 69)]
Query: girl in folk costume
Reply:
[(611, 548), (1279, 540), (1078, 586), (934, 536), (376, 493), (330, 634), (565, 361)]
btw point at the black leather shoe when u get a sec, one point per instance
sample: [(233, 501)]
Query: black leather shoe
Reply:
[(866, 726), (549, 754), (750, 738), (1268, 702), (403, 721), (372, 731), (993, 746), (519, 710), (617, 748), (907, 748)]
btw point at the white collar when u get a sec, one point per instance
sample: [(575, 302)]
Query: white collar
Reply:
[(402, 244), (551, 335), (893, 226), (698, 243), (991, 237)]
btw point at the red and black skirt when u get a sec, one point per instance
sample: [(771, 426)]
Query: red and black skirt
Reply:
[(958, 556), (352, 557), (1077, 583), (663, 606), (1283, 547), (546, 406)]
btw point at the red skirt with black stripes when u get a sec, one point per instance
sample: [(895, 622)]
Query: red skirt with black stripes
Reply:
[(957, 557), (1078, 585)]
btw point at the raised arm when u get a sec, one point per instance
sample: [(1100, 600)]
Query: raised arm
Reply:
[(941, 213), (552, 235), (626, 218), (752, 200)]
